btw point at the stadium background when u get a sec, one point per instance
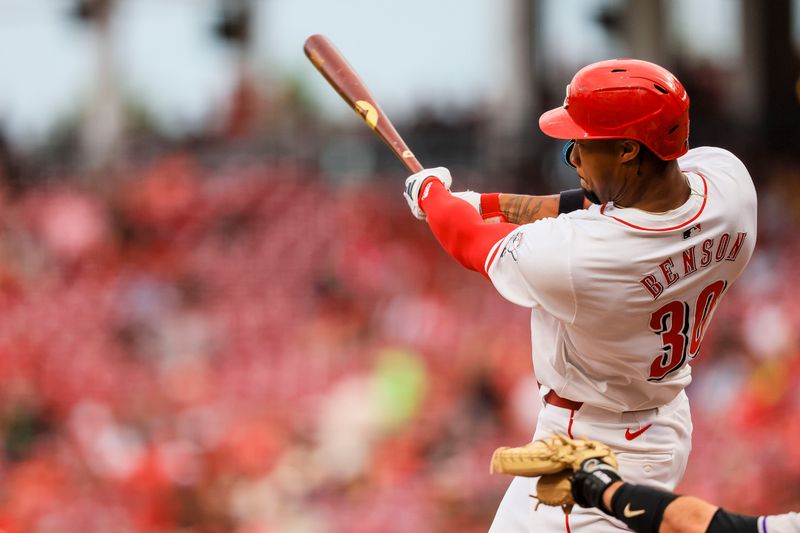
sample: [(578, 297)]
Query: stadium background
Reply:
[(216, 313)]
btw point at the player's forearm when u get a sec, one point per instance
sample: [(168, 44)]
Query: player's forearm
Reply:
[(687, 515), (608, 494), (459, 228), (524, 209), (682, 514)]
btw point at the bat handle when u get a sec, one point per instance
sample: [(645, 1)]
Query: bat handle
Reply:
[(399, 148), (412, 164)]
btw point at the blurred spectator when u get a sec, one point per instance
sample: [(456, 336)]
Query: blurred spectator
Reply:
[(185, 353)]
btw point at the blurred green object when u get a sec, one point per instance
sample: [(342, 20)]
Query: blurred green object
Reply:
[(401, 383), (23, 429)]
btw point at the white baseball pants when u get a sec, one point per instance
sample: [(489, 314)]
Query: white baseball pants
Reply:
[(652, 447)]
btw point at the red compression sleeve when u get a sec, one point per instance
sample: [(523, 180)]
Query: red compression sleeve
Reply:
[(459, 228)]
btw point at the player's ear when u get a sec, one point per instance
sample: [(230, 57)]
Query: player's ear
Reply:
[(628, 150)]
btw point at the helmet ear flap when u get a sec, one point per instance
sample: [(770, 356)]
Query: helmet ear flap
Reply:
[(566, 153)]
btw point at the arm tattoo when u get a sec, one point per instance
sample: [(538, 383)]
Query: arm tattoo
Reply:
[(523, 209)]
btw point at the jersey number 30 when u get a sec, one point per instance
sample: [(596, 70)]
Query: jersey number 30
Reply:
[(673, 322)]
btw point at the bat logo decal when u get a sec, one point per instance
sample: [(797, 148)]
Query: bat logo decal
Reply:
[(315, 58), (367, 112)]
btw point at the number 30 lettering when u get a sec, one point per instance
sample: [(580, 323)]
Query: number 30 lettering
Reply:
[(672, 322)]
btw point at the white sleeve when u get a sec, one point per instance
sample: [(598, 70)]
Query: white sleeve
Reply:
[(783, 523), (716, 161), (531, 267)]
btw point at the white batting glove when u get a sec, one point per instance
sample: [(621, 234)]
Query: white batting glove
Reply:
[(471, 197), (414, 183)]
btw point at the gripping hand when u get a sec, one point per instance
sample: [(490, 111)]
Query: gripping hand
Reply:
[(414, 187), (471, 197)]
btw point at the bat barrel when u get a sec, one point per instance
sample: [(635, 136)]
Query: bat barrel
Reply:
[(344, 79)]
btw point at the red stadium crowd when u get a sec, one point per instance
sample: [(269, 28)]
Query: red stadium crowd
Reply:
[(252, 349)]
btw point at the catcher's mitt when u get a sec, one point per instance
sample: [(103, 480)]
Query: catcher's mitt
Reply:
[(554, 459)]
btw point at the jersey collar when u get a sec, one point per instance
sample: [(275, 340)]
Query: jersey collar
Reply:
[(671, 220)]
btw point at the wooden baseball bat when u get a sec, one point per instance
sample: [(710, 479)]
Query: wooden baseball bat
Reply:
[(334, 67)]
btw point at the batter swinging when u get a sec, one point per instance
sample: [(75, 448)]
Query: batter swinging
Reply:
[(620, 293)]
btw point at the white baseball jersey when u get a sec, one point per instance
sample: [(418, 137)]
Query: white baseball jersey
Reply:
[(621, 297), (784, 523)]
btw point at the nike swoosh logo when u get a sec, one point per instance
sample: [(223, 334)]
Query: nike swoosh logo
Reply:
[(630, 435), (630, 514)]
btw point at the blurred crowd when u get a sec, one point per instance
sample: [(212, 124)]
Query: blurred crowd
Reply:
[(246, 347)]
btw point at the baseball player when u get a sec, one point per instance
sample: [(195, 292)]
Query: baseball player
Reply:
[(620, 293), (645, 509)]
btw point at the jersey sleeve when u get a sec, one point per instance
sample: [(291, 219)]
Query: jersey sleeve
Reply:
[(784, 523), (531, 267), (710, 159)]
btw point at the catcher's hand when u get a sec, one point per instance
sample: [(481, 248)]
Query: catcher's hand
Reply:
[(555, 459)]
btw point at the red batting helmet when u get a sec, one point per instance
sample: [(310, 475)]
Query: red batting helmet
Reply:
[(624, 99)]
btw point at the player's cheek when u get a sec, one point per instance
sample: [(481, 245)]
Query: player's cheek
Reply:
[(574, 157)]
